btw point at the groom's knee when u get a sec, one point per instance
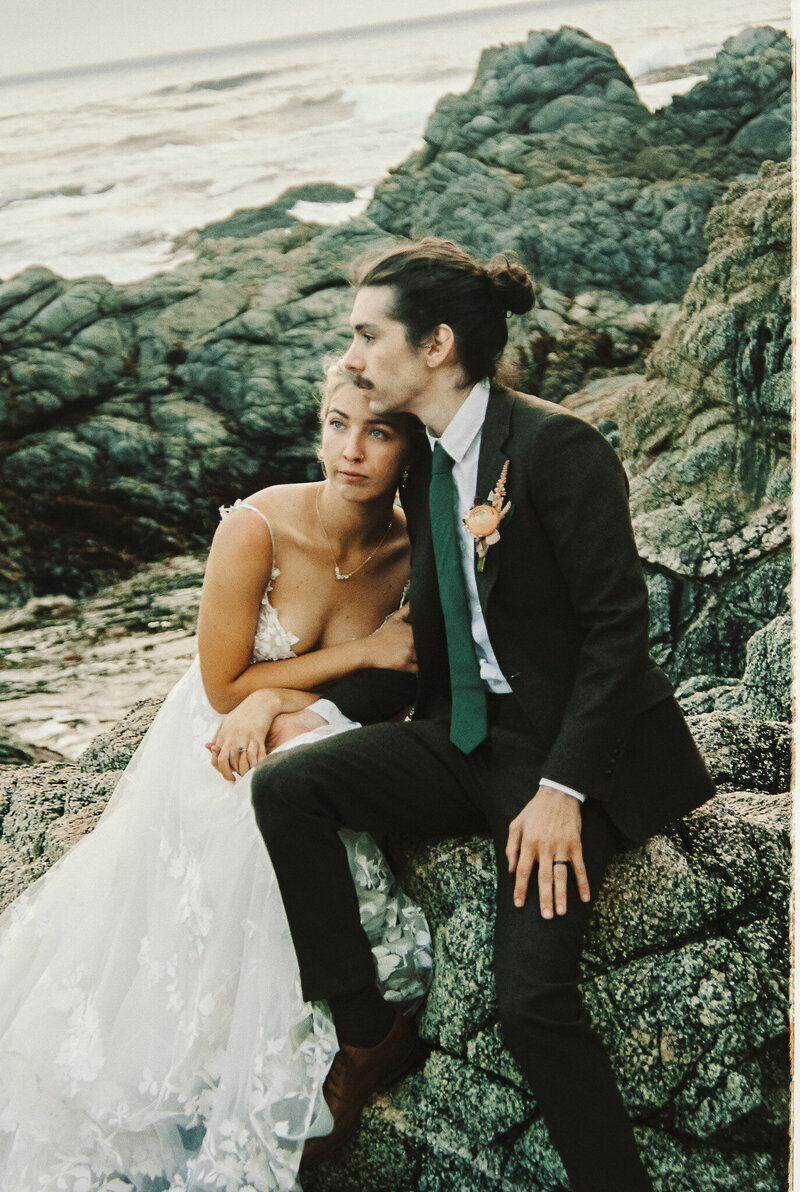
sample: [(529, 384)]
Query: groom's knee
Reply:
[(537, 988), (273, 781), (282, 791), (526, 1006)]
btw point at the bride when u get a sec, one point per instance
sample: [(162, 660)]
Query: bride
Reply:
[(153, 1034)]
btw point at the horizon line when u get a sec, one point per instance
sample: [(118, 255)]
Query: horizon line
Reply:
[(87, 68)]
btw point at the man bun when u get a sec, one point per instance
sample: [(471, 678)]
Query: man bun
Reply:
[(433, 281), (511, 283)]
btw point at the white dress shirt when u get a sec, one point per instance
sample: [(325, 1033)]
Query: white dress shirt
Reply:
[(461, 439)]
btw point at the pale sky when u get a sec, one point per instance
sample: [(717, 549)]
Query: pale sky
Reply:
[(40, 35)]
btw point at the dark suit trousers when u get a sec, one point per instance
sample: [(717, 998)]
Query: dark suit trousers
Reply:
[(408, 778)]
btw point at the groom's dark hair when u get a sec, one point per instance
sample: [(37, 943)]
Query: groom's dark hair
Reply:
[(434, 281)]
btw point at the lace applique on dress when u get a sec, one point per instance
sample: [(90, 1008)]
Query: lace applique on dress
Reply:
[(153, 1032), (272, 641)]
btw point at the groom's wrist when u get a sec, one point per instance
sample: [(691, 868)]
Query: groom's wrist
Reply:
[(330, 713), (567, 790)]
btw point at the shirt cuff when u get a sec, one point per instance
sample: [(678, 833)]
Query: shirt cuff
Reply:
[(559, 786), (330, 713)]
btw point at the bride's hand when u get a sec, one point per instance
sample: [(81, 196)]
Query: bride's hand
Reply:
[(239, 743), (392, 646)]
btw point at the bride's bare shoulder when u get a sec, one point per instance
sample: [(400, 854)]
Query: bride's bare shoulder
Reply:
[(285, 506), (281, 496)]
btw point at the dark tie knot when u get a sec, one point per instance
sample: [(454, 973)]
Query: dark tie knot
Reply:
[(442, 462)]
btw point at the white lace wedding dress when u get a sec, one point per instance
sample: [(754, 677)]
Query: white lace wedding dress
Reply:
[(153, 1034)]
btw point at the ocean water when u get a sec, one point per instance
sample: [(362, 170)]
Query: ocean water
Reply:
[(102, 171)]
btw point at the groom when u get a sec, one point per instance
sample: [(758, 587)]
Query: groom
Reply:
[(540, 715)]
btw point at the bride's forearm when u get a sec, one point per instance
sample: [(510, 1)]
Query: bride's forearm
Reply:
[(295, 677)]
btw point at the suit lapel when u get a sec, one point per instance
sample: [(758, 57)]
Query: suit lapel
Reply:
[(493, 454)]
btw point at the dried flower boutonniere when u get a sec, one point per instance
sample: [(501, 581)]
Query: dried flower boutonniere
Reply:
[(482, 520)]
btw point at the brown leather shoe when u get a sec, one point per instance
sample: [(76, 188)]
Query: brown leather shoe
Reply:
[(355, 1074)]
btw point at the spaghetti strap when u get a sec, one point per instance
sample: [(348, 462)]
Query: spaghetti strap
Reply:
[(224, 510), (247, 505)]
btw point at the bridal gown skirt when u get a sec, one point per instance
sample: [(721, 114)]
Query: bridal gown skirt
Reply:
[(153, 1032)]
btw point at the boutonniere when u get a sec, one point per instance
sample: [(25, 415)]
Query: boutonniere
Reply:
[(482, 520)]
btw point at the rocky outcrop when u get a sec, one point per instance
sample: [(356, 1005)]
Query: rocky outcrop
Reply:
[(764, 690), (43, 810), (253, 220), (552, 154), (767, 678), (706, 440), (128, 413), (739, 115), (686, 974), (679, 984)]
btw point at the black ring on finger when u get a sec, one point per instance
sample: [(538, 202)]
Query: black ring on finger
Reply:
[(561, 863)]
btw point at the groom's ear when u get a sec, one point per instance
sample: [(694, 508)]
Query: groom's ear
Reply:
[(440, 346)]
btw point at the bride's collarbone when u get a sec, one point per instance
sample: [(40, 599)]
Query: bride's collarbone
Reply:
[(306, 566)]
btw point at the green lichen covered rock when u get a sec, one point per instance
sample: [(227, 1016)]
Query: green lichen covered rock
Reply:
[(686, 975), (706, 440), (686, 978)]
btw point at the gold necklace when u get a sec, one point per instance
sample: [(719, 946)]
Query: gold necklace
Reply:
[(339, 574)]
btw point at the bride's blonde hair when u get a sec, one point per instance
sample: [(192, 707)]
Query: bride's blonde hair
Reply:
[(336, 375)]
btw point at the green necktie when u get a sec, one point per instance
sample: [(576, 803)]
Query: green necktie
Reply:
[(468, 716)]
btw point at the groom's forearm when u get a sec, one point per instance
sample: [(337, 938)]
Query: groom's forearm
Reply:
[(372, 695)]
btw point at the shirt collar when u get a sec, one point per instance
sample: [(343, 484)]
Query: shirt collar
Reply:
[(465, 425)]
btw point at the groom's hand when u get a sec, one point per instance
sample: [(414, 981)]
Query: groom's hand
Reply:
[(288, 725), (548, 829)]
